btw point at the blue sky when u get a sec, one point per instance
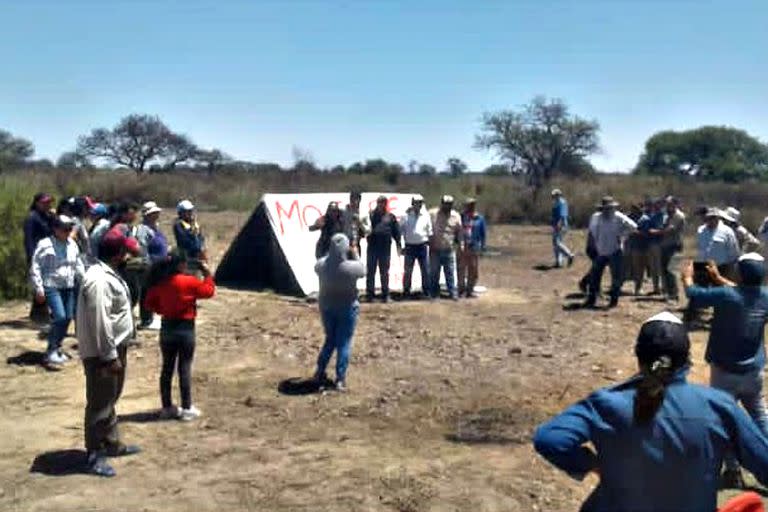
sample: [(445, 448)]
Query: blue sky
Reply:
[(394, 79)]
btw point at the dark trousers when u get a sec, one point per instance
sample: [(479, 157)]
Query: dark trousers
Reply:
[(378, 256), (616, 263), (669, 278), (414, 253), (177, 343), (102, 390)]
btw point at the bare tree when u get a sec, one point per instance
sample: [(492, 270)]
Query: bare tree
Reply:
[(213, 159), (137, 141)]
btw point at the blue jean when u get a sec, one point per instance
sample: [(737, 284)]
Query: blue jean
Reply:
[(414, 253), (445, 259), (616, 263), (339, 325), (746, 388), (559, 247), (61, 303)]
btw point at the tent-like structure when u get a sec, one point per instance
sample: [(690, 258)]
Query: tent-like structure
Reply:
[(275, 249)]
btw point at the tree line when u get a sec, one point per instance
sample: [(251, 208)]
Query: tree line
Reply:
[(536, 142)]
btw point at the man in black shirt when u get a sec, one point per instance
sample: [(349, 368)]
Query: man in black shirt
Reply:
[(383, 228)]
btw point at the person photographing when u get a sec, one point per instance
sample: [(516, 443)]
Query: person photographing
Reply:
[(173, 294)]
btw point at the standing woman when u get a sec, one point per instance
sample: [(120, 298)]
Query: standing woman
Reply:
[(173, 294), (55, 272), (36, 227), (339, 306), (329, 224)]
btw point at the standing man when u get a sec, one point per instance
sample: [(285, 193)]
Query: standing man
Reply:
[(154, 249), (416, 226), (383, 229), (736, 346), (608, 229), (104, 326), (446, 231), (472, 243), (353, 224), (189, 237), (747, 241), (559, 228), (671, 244)]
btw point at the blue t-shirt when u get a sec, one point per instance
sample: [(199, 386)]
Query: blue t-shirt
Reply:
[(560, 212)]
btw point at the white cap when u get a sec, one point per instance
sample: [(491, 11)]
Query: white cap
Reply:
[(447, 199), (62, 220), (417, 197), (733, 213), (557, 192), (664, 316), (149, 208), (185, 206), (751, 256)]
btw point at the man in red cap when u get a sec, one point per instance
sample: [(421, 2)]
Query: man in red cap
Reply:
[(104, 327)]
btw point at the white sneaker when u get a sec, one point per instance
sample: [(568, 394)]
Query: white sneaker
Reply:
[(190, 414), (169, 413), (155, 325), (55, 358)]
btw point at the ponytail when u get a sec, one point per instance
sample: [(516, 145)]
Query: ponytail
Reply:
[(650, 391)]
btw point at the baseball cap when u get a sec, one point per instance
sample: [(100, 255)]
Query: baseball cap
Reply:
[(447, 199), (99, 209), (663, 335), (185, 206), (62, 221), (417, 198), (557, 192), (114, 239)]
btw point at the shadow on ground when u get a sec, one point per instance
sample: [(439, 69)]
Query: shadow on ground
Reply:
[(60, 463), (141, 417), (298, 386)]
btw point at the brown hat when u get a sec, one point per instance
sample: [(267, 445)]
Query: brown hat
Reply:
[(608, 202)]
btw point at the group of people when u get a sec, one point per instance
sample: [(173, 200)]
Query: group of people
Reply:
[(436, 239), (96, 264)]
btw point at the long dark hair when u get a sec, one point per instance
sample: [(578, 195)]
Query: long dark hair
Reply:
[(164, 269), (662, 349)]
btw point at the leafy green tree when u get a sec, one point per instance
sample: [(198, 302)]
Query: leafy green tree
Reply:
[(13, 150), (427, 170), (497, 170), (708, 152), (535, 140)]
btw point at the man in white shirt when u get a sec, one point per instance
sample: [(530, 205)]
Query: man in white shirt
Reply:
[(416, 226), (747, 241), (104, 326), (717, 242), (608, 229)]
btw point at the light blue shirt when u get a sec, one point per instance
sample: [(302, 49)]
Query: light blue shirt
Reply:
[(719, 245)]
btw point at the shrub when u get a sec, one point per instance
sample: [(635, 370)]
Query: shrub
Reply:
[(15, 197)]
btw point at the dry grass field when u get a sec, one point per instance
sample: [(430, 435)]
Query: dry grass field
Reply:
[(443, 399)]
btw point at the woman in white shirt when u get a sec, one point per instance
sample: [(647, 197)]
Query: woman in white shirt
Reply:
[(56, 271)]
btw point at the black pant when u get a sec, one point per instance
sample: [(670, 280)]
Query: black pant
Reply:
[(177, 342), (102, 390), (378, 256), (416, 253)]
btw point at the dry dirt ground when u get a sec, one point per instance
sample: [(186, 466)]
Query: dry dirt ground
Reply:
[(443, 399)]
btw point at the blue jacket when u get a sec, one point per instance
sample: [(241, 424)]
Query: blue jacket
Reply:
[(36, 227), (671, 464), (560, 212), (736, 341), (474, 231), (187, 241)]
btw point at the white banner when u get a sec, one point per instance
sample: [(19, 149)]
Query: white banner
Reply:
[(291, 215)]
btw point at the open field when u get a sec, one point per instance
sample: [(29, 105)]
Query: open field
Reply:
[(443, 398)]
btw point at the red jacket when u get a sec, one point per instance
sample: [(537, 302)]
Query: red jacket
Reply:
[(175, 298)]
